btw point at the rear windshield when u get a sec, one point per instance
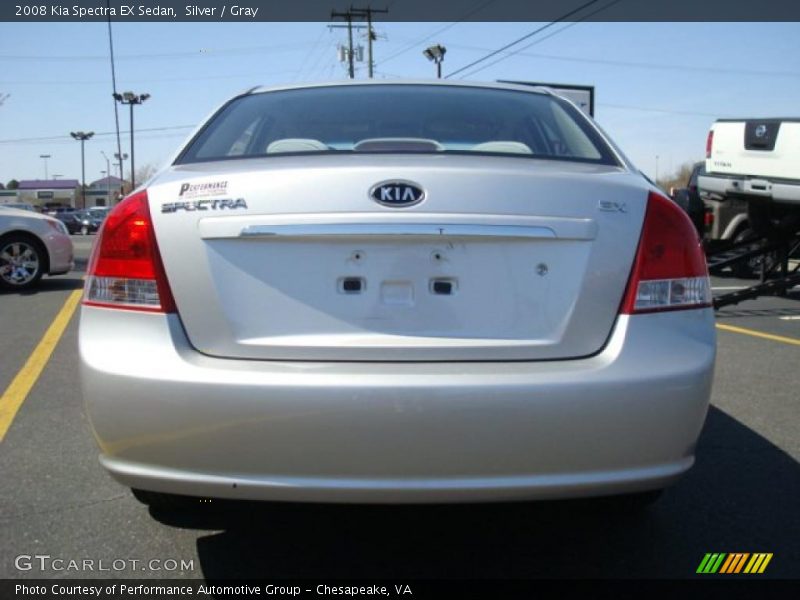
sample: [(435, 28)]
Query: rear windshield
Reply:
[(398, 118)]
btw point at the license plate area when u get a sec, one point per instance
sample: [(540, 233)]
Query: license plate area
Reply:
[(368, 292)]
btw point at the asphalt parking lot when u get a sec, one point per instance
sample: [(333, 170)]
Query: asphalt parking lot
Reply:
[(742, 495)]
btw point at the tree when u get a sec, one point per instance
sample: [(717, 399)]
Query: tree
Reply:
[(144, 173), (678, 179), (12, 185)]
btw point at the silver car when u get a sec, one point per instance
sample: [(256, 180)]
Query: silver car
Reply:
[(31, 245), (397, 292)]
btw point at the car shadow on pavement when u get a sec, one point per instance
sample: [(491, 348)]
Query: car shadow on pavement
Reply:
[(741, 496), (47, 285)]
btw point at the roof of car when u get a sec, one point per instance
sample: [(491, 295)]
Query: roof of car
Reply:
[(432, 82)]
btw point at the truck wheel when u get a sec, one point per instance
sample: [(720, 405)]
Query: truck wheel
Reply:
[(750, 268), (760, 217)]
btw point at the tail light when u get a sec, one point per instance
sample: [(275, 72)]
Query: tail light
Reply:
[(670, 271), (708, 218), (125, 269), (709, 143)]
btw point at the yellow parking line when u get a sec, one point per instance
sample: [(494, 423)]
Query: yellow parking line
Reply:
[(760, 334), (20, 387)]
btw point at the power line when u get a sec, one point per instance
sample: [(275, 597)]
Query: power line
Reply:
[(638, 65), (319, 66), (310, 53), (156, 80), (524, 37), (97, 134), (540, 40), (417, 43), (661, 110)]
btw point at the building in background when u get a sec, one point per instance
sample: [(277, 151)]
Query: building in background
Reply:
[(53, 192), (7, 196), (106, 191)]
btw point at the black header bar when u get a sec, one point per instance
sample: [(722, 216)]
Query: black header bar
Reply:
[(399, 10)]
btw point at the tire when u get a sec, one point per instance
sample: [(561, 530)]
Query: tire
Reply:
[(23, 260), (750, 268), (162, 501), (759, 217)]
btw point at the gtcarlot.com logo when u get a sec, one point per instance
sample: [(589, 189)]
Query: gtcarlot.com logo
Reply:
[(46, 562), (734, 563)]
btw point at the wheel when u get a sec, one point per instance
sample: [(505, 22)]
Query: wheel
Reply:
[(22, 261), (160, 500), (750, 268)]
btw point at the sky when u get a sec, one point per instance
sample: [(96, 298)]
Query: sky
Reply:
[(658, 86)]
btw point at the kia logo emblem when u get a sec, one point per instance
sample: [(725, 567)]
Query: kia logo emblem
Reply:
[(397, 193), (761, 131)]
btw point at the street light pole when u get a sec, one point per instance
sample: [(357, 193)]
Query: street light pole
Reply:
[(108, 175), (45, 157), (108, 186), (82, 137), (436, 55), (131, 99)]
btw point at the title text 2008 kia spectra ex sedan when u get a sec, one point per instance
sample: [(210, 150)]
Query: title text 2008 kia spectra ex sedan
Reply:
[(397, 292)]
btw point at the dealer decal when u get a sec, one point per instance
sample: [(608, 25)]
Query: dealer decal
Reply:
[(193, 205), (197, 190)]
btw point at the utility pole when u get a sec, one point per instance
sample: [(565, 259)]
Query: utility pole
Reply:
[(113, 81), (368, 12), (347, 16)]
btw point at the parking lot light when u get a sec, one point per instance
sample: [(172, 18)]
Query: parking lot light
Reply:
[(82, 137), (131, 100)]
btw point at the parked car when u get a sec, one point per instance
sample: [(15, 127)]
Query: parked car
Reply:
[(689, 200), (56, 208), (31, 245), (19, 205), (100, 212), (90, 220), (397, 292), (80, 222)]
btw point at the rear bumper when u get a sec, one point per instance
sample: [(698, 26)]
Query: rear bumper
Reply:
[(60, 251), (170, 419), (758, 187)]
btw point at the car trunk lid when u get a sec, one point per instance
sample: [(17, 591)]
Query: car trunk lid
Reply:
[(292, 258)]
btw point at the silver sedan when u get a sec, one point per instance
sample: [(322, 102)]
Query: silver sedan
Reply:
[(397, 292), (31, 245)]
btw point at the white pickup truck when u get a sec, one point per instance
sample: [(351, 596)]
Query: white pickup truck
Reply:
[(758, 161), (755, 158)]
